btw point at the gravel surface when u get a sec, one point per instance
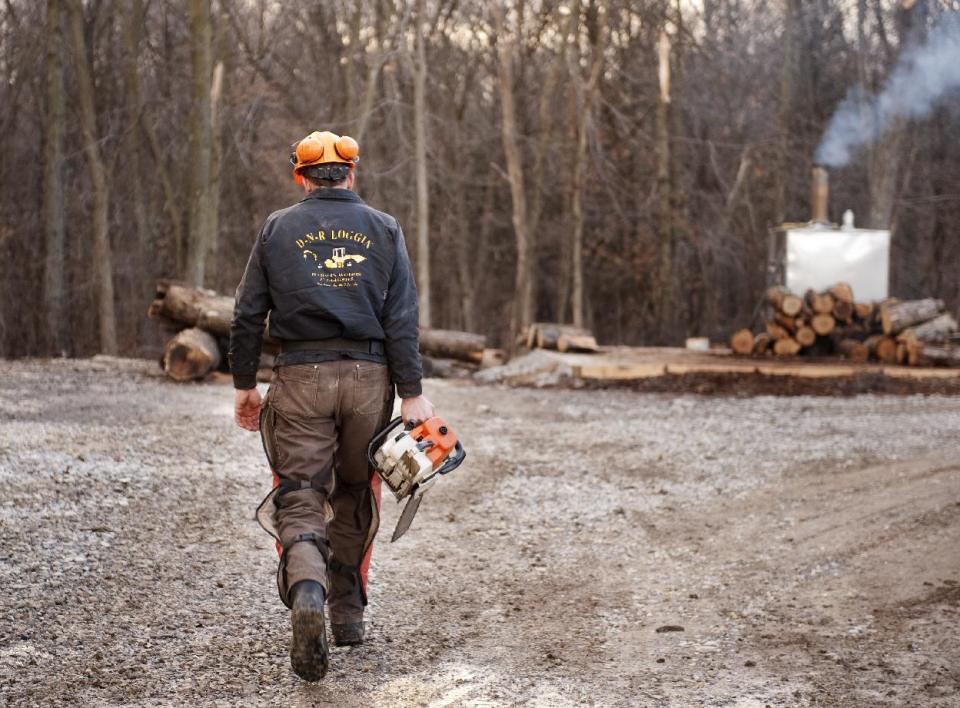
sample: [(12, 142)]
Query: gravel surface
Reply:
[(598, 548)]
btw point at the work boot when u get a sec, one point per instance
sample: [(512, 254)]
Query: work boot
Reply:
[(347, 635), (309, 654)]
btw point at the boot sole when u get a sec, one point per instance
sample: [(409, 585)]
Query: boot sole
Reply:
[(309, 653)]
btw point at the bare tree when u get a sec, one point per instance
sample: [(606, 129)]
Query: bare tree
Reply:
[(102, 252), (586, 92), (201, 144), (420, 160), (54, 276), (524, 306), (665, 272)]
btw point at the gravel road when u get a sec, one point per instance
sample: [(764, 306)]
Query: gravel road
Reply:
[(598, 548)]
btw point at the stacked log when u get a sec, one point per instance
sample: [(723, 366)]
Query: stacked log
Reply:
[(832, 322), (561, 337), (199, 321)]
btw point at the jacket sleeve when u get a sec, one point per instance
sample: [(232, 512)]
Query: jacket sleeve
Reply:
[(401, 315), (249, 313)]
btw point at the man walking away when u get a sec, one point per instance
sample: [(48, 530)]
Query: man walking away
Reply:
[(334, 277)]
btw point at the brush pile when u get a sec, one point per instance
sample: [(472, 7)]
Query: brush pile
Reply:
[(832, 322)]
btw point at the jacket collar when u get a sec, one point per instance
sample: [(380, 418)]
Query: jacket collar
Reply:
[(335, 193)]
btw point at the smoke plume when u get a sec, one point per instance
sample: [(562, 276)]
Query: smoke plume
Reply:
[(922, 75)]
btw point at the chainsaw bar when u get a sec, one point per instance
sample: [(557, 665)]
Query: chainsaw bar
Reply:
[(406, 518)]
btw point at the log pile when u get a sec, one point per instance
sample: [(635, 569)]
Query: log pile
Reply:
[(198, 321), (559, 337), (832, 322)]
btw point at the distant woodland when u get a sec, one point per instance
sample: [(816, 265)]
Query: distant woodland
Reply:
[(614, 164)]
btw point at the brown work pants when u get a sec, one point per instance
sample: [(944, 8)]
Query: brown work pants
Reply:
[(317, 422)]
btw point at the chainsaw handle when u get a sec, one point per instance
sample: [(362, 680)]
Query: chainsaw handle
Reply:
[(378, 439), (455, 460)]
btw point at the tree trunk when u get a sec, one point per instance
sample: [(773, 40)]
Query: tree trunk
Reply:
[(216, 163), (54, 271), (664, 295), (586, 96), (420, 160), (102, 254), (198, 238), (190, 355), (524, 303)]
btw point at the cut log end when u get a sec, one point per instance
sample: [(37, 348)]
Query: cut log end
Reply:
[(742, 341), (786, 347), (853, 349), (823, 324), (191, 355)]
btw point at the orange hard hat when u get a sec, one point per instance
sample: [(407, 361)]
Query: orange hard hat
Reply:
[(320, 148)]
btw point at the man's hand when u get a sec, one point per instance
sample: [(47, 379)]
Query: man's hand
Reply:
[(416, 410), (246, 409)]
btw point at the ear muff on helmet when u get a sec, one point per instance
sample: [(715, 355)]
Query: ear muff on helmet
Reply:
[(309, 150), (347, 148)]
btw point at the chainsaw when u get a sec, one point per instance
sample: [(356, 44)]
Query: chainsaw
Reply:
[(410, 460)]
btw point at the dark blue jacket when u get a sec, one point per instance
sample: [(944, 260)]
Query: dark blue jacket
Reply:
[(328, 267)]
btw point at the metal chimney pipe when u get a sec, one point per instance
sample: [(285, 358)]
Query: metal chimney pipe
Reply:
[(819, 193)]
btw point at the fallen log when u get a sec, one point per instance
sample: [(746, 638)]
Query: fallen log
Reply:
[(192, 307), (549, 334), (584, 343), (190, 355), (897, 316), (452, 344), (939, 329), (945, 355)]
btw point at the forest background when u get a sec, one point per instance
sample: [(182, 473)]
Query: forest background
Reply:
[(615, 164)]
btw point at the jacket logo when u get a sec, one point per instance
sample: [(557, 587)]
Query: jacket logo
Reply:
[(341, 269), (340, 259)]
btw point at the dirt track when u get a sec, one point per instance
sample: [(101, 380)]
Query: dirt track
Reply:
[(808, 547)]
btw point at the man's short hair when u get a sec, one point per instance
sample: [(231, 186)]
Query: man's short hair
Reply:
[(328, 174)]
